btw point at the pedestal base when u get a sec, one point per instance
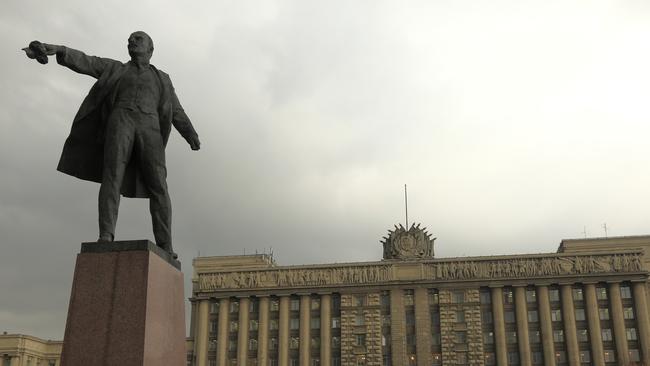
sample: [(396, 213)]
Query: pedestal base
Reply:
[(126, 307)]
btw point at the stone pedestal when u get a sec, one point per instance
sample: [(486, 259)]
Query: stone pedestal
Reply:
[(126, 307)]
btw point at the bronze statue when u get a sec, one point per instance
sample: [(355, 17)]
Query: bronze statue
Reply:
[(119, 134)]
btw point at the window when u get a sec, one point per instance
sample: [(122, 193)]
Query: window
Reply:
[(560, 357), (385, 320), (294, 323), (511, 337), (336, 322), (610, 356), (294, 343), (359, 300), (488, 337), (214, 307), (558, 335), (315, 342), (537, 357), (360, 320), (460, 337), (336, 342), (315, 362), (485, 297), (577, 294), (486, 316), (408, 297), (252, 344), (385, 340), (433, 297), (360, 340), (606, 334), (273, 343), (294, 305), (410, 318), (437, 359), (385, 299), (554, 295), (232, 345), (628, 313), (315, 323), (234, 326), (275, 305), (580, 314), (556, 315), (584, 357), (273, 324), (213, 326), (435, 339), (254, 307), (601, 293), (533, 316), (457, 297), (583, 335), (490, 359), (336, 361), (625, 292), (513, 358), (212, 344), (634, 355), (534, 336), (212, 362), (234, 306), (293, 362), (509, 316), (253, 324), (508, 296), (603, 313), (461, 358), (531, 296), (386, 361), (630, 334), (315, 304), (459, 316)]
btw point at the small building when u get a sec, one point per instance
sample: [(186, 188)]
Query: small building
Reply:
[(586, 304), (24, 350)]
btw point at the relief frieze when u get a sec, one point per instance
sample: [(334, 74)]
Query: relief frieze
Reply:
[(483, 268)]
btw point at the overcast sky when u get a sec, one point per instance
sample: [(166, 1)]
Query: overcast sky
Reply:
[(515, 124)]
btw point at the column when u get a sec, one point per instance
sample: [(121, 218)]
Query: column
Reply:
[(593, 319), (521, 309), (201, 344), (222, 337), (546, 327), (283, 332), (263, 332), (569, 317), (326, 330), (619, 323), (305, 308), (397, 327), (242, 336), (15, 361), (499, 326), (643, 322), (422, 327)]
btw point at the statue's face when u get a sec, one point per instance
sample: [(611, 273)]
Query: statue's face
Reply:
[(139, 44)]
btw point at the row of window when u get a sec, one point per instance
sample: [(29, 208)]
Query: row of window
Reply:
[(294, 324), (554, 294), (274, 305)]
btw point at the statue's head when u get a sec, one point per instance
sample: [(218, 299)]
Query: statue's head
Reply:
[(140, 45)]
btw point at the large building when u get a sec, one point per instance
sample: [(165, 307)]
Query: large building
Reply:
[(24, 350), (586, 304)]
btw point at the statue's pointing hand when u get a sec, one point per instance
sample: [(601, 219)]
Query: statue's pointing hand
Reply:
[(40, 51)]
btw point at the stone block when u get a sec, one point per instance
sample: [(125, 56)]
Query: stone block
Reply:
[(126, 307)]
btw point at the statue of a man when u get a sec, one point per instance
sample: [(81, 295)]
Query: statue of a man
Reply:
[(119, 134)]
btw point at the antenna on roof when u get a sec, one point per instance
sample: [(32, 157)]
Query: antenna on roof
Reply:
[(605, 228), (584, 231), (406, 207)]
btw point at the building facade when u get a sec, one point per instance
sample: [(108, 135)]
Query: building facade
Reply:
[(24, 350), (586, 304)]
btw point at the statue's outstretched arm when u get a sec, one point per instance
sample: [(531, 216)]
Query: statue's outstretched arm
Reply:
[(73, 59)]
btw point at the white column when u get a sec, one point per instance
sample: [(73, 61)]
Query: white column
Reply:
[(326, 330), (222, 337), (242, 336), (202, 323)]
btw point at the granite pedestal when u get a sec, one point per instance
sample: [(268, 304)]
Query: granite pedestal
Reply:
[(126, 307)]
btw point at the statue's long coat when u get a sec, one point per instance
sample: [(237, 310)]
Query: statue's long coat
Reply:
[(83, 150)]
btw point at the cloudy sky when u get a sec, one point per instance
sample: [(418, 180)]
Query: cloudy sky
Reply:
[(515, 124)]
